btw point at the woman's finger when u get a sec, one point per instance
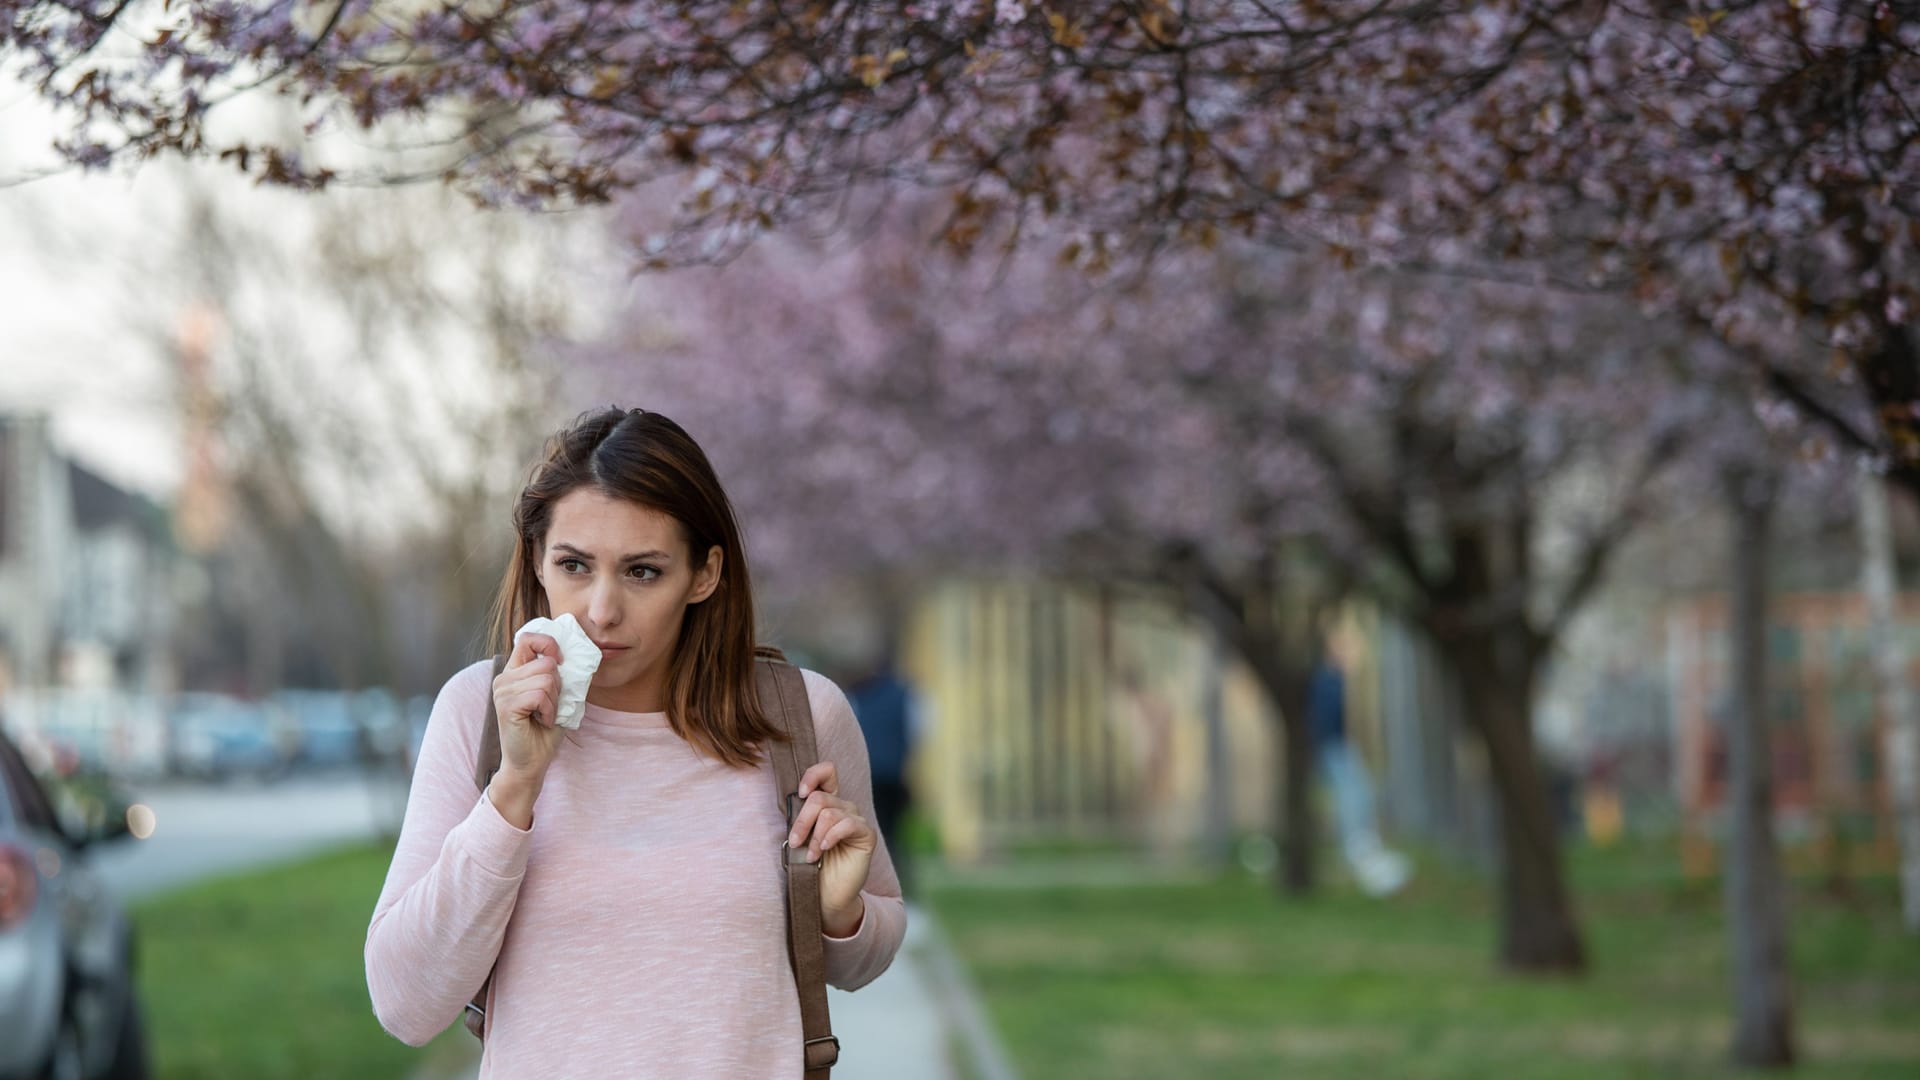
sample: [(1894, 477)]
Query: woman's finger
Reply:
[(829, 817), (528, 647), (848, 828), (822, 776), (541, 675), (521, 692), (535, 672), (803, 821), (522, 651), (514, 680), (539, 705)]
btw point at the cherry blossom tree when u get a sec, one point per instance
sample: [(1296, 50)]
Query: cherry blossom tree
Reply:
[(1748, 166)]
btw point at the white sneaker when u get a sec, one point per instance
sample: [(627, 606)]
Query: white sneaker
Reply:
[(1383, 873)]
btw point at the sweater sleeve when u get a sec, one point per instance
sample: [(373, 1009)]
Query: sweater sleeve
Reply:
[(853, 962), (454, 880)]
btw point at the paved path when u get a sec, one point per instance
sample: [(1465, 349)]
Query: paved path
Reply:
[(893, 1026), (203, 831)]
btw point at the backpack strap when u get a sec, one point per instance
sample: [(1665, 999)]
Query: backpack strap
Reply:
[(488, 762), (485, 765), (783, 694)]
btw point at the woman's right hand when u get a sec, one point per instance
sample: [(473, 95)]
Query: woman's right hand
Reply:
[(526, 697)]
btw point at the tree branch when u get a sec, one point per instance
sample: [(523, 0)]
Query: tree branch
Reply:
[(1590, 567)]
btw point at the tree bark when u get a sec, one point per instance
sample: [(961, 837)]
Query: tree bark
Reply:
[(1901, 749), (1219, 807), (1755, 890), (1891, 375), (1225, 609), (1538, 932), (1297, 873), (1297, 863)]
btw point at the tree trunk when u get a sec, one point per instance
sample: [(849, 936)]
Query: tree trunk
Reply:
[(1213, 706), (1538, 932), (1225, 610), (1901, 751), (1891, 376), (1296, 874), (1755, 891), (1295, 805)]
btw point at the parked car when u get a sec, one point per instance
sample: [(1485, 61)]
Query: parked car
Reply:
[(212, 736), (328, 737), (383, 717), (68, 1006), (338, 729)]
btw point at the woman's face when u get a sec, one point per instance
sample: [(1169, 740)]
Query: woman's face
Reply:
[(624, 572)]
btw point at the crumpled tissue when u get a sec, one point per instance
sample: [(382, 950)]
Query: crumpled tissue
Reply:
[(579, 659)]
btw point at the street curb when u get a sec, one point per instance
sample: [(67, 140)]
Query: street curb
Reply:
[(960, 1003)]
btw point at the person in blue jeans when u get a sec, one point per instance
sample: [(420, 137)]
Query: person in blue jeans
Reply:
[(1378, 869)]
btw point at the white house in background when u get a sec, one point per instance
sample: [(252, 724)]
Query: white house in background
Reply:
[(87, 600)]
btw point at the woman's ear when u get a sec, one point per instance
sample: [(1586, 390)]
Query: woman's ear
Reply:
[(707, 578)]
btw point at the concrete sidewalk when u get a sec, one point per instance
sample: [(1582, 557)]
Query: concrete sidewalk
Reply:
[(894, 1028)]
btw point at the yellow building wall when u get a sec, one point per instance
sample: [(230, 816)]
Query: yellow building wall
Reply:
[(1058, 712)]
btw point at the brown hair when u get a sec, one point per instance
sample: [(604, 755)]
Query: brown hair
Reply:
[(648, 459)]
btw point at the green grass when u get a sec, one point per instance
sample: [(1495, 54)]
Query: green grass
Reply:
[(260, 976), (1222, 980)]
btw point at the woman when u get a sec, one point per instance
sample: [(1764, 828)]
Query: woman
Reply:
[(623, 881)]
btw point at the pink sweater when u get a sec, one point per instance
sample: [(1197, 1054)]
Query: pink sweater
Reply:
[(640, 925)]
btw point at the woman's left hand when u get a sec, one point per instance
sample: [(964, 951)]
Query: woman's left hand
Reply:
[(841, 841)]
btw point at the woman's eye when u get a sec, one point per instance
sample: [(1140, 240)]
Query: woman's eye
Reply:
[(644, 573)]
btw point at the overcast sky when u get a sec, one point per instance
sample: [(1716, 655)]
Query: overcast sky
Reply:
[(110, 396), (87, 341)]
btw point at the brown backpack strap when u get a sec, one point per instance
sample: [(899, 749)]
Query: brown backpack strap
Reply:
[(486, 763), (783, 694)]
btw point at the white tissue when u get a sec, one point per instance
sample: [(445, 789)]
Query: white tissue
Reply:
[(579, 659)]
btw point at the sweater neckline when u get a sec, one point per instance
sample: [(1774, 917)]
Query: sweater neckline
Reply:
[(602, 714)]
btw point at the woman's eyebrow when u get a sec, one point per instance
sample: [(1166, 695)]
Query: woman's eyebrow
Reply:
[(657, 556)]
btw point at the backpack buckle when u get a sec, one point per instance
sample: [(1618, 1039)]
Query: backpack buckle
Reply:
[(826, 1057)]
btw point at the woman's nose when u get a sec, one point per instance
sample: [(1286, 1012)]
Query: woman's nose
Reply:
[(603, 608)]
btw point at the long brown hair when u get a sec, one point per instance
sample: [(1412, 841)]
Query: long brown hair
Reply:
[(648, 459)]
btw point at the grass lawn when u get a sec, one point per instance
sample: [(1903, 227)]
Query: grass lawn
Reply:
[(1222, 980), (261, 976)]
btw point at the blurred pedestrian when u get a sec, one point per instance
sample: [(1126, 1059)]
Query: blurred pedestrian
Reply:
[(1378, 869), (890, 716)]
